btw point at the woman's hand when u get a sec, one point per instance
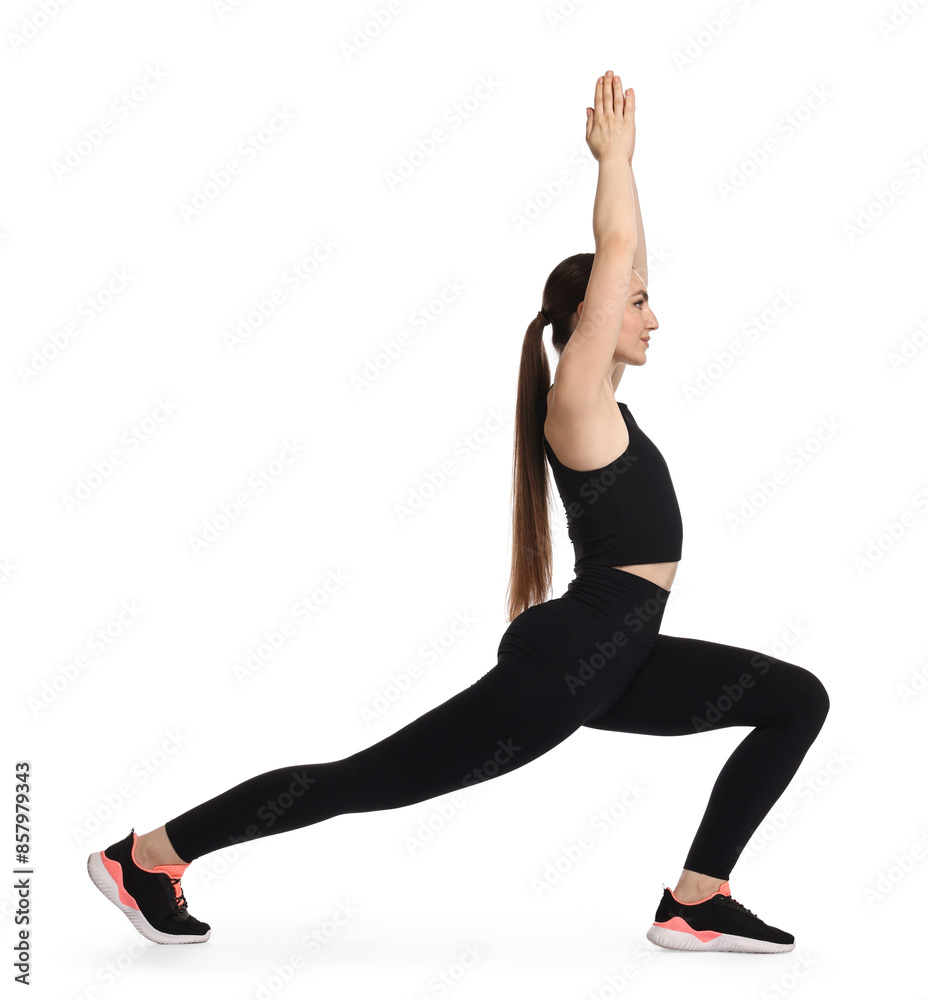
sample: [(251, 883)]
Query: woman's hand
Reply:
[(610, 124)]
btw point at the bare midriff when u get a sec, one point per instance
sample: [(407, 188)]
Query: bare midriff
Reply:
[(661, 574)]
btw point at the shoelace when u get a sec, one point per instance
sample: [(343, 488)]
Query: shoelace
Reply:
[(179, 899), (743, 907)]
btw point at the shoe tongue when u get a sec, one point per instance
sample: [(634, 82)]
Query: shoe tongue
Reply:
[(724, 889)]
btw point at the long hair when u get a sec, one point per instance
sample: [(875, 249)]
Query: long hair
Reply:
[(530, 573)]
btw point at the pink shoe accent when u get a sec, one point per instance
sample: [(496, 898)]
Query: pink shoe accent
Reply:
[(679, 924), (114, 869), (724, 889), (174, 871)]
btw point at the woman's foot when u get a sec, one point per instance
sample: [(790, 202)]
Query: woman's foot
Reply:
[(150, 896), (714, 923)]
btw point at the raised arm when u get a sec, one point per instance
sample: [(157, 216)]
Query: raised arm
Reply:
[(587, 357), (640, 263)]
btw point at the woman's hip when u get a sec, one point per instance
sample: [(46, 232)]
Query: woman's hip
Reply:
[(604, 624)]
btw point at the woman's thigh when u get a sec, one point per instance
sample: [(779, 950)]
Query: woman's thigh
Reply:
[(692, 685), (557, 665)]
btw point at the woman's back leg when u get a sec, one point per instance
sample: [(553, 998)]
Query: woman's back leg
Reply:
[(521, 708)]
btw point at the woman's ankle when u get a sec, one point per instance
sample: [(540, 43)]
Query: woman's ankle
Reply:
[(692, 886), (154, 849)]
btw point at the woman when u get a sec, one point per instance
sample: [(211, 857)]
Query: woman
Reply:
[(591, 657)]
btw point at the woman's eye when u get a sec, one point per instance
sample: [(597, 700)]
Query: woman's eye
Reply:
[(639, 302)]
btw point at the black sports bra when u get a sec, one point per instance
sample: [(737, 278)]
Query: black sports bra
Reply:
[(624, 513)]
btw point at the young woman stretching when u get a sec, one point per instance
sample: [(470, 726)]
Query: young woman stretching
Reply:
[(592, 657)]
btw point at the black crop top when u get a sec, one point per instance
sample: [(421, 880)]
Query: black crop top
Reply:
[(624, 513)]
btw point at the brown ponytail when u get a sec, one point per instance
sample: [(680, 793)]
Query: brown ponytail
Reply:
[(532, 556)]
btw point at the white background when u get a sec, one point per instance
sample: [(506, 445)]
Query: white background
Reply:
[(794, 579)]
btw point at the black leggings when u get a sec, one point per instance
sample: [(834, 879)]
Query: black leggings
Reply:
[(591, 657)]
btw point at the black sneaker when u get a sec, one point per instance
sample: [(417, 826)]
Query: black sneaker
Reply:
[(151, 898), (715, 923)]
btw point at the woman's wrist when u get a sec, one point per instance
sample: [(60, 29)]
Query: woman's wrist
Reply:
[(614, 205), (614, 157)]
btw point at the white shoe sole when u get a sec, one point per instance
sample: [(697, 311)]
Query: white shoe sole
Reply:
[(104, 882), (684, 941)]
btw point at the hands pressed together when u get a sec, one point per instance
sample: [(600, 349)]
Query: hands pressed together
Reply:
[(610, 123)]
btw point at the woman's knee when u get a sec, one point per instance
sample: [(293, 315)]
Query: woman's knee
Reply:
[(808, 697)]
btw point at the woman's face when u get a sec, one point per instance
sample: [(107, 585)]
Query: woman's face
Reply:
[(637, 324)]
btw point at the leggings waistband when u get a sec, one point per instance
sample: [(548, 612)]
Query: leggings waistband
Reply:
[(618, 580), (616, 594)]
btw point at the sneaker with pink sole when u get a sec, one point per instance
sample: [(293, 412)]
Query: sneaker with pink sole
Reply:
[(151, 898)]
